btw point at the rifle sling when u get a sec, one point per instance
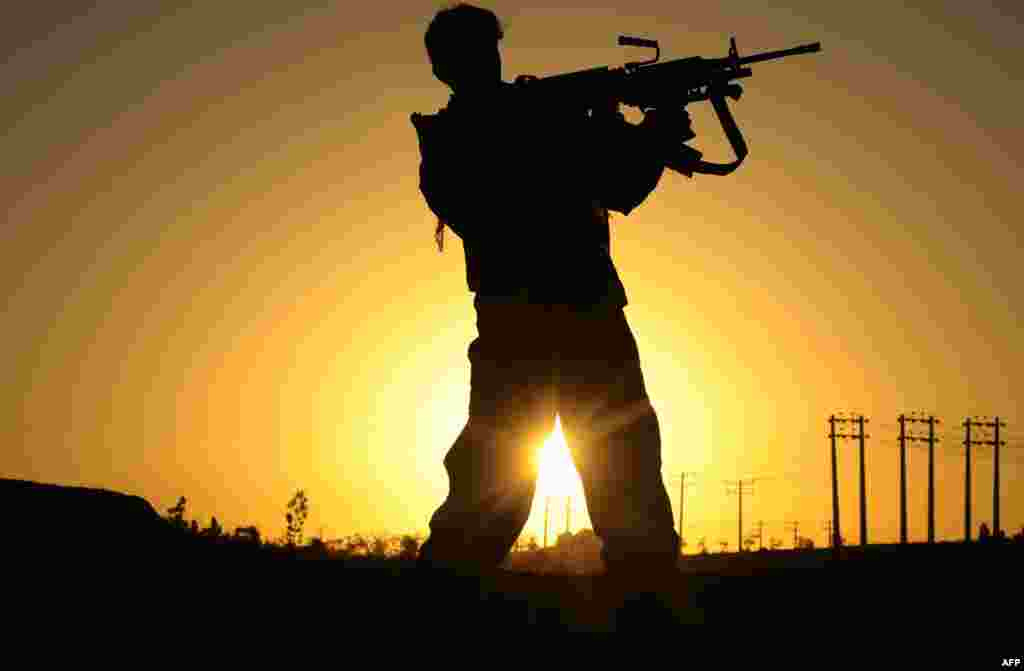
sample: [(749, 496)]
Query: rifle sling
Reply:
[(732, 131)]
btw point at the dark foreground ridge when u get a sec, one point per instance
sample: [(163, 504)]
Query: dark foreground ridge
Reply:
[(953, 580)]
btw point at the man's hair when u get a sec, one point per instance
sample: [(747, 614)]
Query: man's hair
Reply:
[(458, 25)]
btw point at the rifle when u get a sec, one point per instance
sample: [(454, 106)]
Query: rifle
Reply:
[(669, 84)]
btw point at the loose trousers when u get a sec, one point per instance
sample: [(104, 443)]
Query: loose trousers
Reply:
[(529, 362)]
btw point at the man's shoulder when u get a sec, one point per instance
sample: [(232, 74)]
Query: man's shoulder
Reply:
[(432, 119), (430, 128), (427, 121), (460, 107)]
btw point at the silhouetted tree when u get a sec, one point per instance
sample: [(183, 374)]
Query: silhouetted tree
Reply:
[(357, 545), (339, 546), (564, 540), (195, 528), (748, 543), (298, 508), (983, 533), (410, 547), (248, 534), (774, 543), (702, 545), (582, 551), (176, 515), (214, 531), (317, 548), (379, 547), (804, 543), (532, 546), (724, 544)]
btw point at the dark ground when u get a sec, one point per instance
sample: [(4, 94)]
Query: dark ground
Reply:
[(880, 586)]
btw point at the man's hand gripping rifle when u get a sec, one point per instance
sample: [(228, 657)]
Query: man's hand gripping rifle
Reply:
[(663, 89)]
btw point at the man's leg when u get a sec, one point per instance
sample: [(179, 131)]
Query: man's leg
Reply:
[(613, 432), (492, 469)]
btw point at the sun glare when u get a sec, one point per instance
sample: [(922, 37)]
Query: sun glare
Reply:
[(558, 476), (559, 503)]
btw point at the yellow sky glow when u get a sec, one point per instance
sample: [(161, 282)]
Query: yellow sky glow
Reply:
[(220, 280)]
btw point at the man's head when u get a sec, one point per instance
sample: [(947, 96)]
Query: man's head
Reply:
[(462, 43)]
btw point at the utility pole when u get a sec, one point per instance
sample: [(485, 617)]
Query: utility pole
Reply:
[(739, 532), (739, 487), (931, 479), (995, 443), (995, 487), (863, 492), (796, 527), (547, 512), (903, 480), (833, 535), (760, 534), (967, 480), (682, 496), (682, 499), (568, 512), (860, 420), (931, 440)]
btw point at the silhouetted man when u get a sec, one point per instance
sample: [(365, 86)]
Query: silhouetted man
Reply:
[(528, 192)]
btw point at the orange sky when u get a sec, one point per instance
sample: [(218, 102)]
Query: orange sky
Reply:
[(219, 277)]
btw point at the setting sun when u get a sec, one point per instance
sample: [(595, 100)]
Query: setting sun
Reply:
[(558, 476), (557, 481)]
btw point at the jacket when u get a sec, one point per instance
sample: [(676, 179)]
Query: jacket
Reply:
[(528, 193)]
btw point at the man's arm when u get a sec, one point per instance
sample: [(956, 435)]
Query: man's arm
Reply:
[(435, 191), (631, 159), (628, 163), (453, 176)]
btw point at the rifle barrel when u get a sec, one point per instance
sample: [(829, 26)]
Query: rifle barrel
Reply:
[(770, 55)]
